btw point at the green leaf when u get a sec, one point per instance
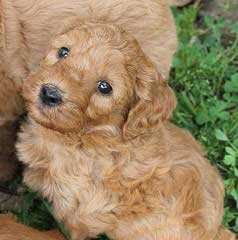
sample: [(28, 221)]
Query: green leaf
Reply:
[(202, 117), (234, 28), (234, 193), (208, 20), (236, 172), (234, 78), (221, 135), (232, 85), (229, 160), (224, 115), (235, 142), (231, 151), (27, 202)]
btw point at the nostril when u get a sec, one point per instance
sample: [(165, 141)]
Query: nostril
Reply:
[(50, 95)]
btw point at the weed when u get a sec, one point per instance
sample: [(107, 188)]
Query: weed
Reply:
[(205, 79)]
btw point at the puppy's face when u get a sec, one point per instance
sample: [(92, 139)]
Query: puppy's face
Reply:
[(90, 77)]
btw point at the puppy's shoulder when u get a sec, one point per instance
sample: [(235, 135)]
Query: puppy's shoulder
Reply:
[(182, 137)]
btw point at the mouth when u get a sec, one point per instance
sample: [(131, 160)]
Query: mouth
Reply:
[(53, 118), (43, 122), (37, 114)]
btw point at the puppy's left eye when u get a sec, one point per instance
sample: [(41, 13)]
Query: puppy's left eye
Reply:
[(104, 87), (63, 52)]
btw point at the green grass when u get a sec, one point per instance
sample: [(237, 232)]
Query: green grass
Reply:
[(205, 79)]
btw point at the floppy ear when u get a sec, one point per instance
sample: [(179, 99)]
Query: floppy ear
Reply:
[(154, 101)]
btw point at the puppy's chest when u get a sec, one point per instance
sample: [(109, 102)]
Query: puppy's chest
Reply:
[(75, 180)]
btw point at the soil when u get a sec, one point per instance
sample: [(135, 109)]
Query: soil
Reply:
[(9, 201), (227, 9), (8, 162)]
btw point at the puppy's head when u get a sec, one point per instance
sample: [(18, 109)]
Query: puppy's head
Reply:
[(96, 74)]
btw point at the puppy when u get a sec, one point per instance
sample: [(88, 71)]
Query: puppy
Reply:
[(27, 27), (11, 230), (98, 144)]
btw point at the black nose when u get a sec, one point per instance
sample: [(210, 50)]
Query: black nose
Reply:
[(50, 95)]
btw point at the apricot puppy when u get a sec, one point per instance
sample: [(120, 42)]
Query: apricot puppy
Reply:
[(27, 27), (99, 146)]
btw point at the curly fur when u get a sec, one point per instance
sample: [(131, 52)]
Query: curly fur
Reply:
[(115, 164), (27, 27)]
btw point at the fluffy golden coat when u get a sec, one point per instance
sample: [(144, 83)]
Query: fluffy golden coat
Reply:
[(114, 163), (29, 25)]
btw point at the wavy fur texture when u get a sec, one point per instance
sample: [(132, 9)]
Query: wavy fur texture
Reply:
[(114, 163), (28, 26)]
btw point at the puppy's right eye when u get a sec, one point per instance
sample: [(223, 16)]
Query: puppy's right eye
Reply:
[(63, 52), (104, 87)]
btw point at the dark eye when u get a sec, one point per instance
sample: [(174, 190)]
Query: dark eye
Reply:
[(63, 52), (104, 87)]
